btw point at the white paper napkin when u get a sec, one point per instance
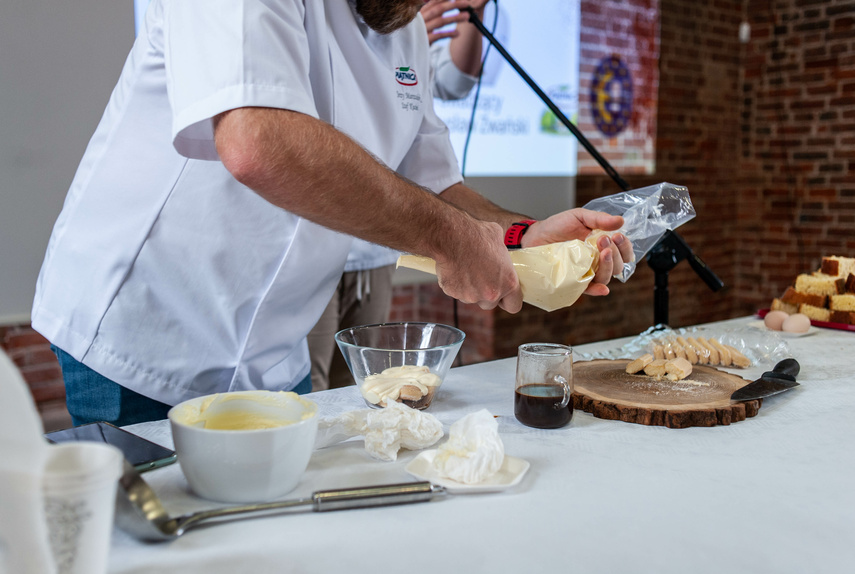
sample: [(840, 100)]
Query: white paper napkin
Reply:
[(24, 545), (473, 452), (386, 431)]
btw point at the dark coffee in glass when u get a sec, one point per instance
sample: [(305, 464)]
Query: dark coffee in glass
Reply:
[(541, 406), (544, 385)]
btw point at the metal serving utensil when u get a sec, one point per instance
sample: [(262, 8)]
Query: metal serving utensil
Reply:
[(140, 512), (781, 378)]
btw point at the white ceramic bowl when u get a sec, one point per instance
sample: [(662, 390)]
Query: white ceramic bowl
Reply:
[(399, 352), (227, 454)]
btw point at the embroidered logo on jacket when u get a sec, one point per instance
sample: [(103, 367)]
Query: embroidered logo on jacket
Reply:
[(406, 76)]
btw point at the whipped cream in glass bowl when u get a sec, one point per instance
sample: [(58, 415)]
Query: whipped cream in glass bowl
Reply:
[(399, 362)]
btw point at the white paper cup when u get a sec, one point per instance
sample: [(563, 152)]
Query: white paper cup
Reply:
[(80, 496)]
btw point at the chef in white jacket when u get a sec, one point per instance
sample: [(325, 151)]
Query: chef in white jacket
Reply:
[(363, 295), (211, 215)]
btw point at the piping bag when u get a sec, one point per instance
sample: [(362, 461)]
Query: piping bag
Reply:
[(554, 276)]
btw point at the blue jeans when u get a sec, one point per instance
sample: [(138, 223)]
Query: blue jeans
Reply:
[(91, 397)]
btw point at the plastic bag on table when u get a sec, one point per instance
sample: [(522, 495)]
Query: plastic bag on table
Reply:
[(648, 213), (761, 348)]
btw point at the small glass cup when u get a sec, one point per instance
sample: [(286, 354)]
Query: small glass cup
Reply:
[(544, 385)]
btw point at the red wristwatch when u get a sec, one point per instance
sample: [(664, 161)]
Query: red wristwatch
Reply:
[(513, 236)]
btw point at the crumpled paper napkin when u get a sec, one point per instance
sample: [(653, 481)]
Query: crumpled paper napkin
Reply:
[(386, 430), (24, 546), (473, 452)]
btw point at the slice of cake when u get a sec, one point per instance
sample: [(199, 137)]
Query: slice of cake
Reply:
[(793, 297), (815, 313), (842, 302), (845, 317), (819, 284), (837, 266), (789, 308)]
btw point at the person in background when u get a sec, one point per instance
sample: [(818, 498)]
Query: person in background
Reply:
[(363, 296), (210, 218)]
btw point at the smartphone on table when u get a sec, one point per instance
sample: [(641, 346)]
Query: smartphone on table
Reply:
[(141, 453)]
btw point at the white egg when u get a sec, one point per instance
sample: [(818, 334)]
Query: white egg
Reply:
[(796, 323), (775, 319)]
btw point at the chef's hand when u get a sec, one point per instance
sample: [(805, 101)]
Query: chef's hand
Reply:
[(479, 269), (615, 248), (434, 14)]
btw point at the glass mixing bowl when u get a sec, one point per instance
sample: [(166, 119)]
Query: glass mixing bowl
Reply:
[(402, 362)]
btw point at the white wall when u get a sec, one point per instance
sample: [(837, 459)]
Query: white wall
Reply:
[(59, 60)]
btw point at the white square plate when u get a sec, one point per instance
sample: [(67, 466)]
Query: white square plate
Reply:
[(510, 474)]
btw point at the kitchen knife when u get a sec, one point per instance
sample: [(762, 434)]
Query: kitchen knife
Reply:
[(781, 378)]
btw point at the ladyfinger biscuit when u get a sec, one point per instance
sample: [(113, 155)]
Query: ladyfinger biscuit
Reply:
[(715, 358), (678, 369), (656, 368), (691, 355), (639, 364), (723, 353), (678, 349), (738, 359), (411, 393), (658, 351), (702, 351)]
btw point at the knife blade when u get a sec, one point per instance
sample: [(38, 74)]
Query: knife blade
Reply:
[(781, 378)]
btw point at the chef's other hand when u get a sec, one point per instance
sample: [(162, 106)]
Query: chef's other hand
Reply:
[(434, 14), (615, 249), (479, 270)]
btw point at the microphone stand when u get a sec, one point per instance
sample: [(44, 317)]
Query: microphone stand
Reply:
[(671, 249), (663, 257)]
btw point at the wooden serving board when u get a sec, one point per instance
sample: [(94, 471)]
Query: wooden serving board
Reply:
[(604, 389)]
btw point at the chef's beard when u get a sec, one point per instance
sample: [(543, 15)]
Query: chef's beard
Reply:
[(386, 16)]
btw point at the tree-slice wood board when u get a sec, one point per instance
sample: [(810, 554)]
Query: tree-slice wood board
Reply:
[(604, 389)]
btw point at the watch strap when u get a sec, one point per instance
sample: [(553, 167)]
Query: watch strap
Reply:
[(513, 236)]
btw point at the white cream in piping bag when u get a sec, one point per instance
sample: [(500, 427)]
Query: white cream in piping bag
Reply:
[(551, 276)]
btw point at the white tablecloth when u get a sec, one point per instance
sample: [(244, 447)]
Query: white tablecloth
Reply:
[(774, 493)]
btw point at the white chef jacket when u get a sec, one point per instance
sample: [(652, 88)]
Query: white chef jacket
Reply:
[(165, 274), (447, 83)]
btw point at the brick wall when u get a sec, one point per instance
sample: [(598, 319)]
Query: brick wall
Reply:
[(762, 134), (797, 147), (37, 363)]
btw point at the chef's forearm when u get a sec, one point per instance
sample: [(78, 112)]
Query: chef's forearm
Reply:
[(479, 206), (311, 169)]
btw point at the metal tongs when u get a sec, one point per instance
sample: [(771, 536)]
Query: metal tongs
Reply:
[(140, 512)]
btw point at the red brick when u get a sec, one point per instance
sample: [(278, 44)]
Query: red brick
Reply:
[(23, 337)]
